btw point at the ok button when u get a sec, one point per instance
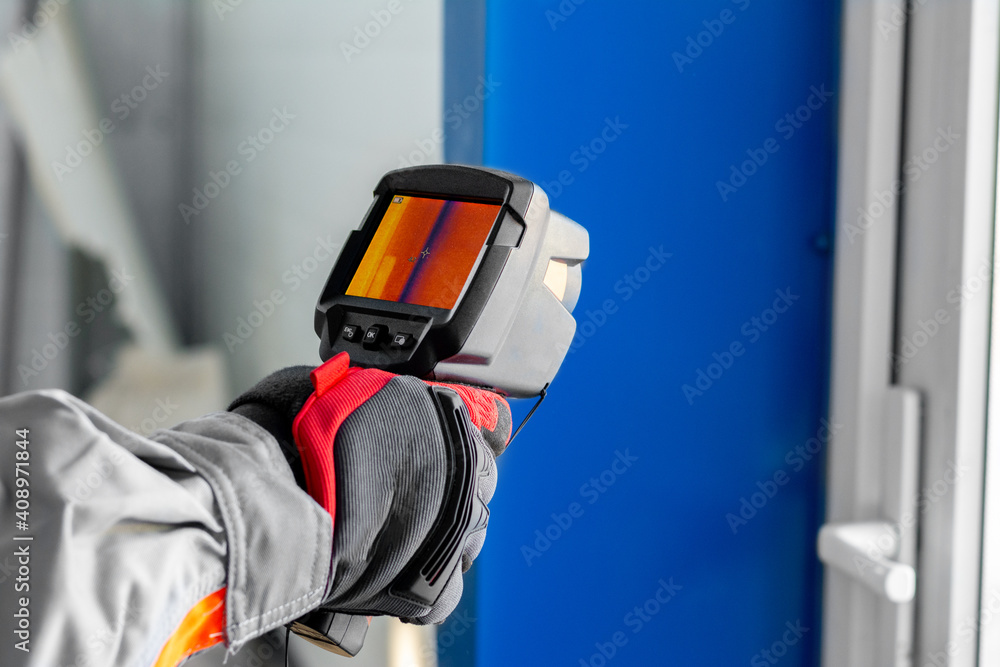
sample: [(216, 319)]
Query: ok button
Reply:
[(374, 335)]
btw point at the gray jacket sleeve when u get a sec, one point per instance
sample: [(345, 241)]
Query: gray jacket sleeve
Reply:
[(115, 537)]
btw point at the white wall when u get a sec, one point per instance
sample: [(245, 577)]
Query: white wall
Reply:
[(354, 115), (230, 64)]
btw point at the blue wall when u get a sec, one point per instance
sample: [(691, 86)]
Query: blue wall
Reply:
[(672, 129)]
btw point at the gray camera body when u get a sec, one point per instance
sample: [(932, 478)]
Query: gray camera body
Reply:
[(457, 274)]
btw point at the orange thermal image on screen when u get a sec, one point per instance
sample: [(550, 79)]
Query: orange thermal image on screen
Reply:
[(423, 251)]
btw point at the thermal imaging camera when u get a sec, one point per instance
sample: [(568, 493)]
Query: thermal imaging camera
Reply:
[(457, 274)]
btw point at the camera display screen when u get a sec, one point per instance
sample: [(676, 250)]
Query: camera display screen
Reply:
[(423, 251)]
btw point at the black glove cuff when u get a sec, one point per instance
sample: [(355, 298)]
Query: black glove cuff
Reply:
[(273, 404), (285, 391)]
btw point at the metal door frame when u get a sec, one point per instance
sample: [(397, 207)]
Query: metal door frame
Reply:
[(910, 353)]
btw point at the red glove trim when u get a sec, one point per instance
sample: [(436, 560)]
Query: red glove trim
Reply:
[(482, 404), (315, 427)]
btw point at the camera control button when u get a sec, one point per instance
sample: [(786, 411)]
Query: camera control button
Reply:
[(401, 340), (374, 335), (351, 333)]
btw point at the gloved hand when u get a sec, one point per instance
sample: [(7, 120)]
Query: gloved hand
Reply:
[(370, 447)]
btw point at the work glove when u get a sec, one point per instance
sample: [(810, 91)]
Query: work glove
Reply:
[(384, 458)]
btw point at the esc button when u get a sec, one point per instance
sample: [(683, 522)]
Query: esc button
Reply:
[(351, 333)]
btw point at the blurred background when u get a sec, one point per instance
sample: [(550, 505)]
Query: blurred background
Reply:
[(177, 178)]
